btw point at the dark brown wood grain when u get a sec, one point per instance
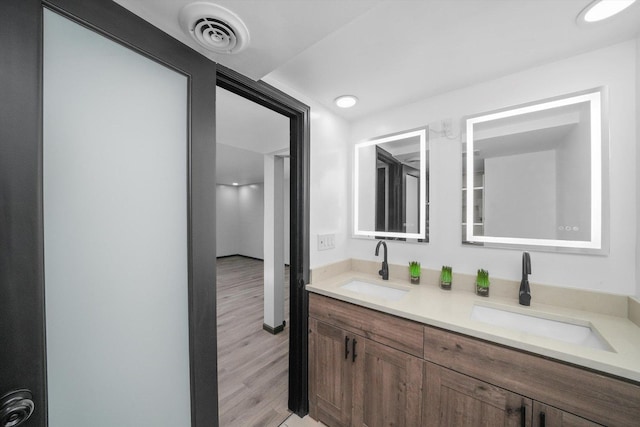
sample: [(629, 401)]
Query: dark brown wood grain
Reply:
[(467, 381), (330, 375), (395, 332), (388, 387), (548, 416), (453, 399), (591, 395)]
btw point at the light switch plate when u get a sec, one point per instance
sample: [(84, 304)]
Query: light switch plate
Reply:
[(326, 241)]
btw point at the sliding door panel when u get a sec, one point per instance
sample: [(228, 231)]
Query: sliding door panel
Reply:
[(115, 168)]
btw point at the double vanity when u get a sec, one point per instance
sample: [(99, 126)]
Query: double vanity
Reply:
[(532, 177), (391, 353)]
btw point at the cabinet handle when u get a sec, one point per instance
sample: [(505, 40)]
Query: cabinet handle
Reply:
[(346, 347), (543, 420), (523, 413), (353, 353)]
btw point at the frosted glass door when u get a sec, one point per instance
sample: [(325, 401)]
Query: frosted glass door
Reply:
[(115, 233)]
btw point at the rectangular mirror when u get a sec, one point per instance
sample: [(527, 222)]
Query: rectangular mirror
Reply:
[(535, 178), (391, 186)]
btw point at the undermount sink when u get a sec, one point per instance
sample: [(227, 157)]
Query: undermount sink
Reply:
[(379, 291), (567, 331)]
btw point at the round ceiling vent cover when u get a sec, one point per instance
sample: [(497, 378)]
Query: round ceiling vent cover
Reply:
[(215, 28)]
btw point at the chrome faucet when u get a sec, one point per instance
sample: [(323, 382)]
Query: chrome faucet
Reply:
[(385, 267), (525, 291)]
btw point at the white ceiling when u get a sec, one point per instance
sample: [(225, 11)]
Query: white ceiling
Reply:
[(257, 129), (386, 52), (243, 139), (278, 29), (396, 51)]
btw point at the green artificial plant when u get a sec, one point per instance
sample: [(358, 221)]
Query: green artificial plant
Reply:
[(446, 277), (482, 282), (414, 269), (445, 274)]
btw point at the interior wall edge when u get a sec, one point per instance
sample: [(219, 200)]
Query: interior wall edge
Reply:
[(637, 115)]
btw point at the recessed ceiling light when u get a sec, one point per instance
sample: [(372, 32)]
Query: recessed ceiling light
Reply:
[(603, 9), (346, 101), (234, 183)]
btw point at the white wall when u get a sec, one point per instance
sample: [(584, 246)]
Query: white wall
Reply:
[(613, 67), (239, 220), (330, 180), (251, 220), (637, 111), (226, 220)]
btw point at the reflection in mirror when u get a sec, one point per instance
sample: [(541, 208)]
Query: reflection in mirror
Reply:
[(535, 176), (391, 187)]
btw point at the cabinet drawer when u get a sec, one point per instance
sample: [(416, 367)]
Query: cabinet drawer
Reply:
[(401, 334), (593, 396)]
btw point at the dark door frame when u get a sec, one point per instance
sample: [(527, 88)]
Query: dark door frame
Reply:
[(300, 130), (22, 308)]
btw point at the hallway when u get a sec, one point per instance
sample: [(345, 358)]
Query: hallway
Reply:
[(252, 364)]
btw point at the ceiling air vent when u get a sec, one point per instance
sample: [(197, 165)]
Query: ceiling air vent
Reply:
[(215, 28)]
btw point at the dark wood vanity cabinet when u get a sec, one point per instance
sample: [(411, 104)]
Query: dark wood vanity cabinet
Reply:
[(579, 396), (548, 416), (404, 373), (388, 387), (454, 399), (331, 373), (354, 378)]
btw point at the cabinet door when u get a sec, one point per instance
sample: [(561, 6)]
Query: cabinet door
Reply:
[(453, 399), (330, 374), (548, 416), (388, 386)]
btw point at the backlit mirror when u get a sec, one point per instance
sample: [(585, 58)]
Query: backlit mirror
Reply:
[(391, 187), (533, 175)]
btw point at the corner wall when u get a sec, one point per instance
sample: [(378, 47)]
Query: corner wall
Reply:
[(637, 113), (614, 67), (240, 220), (226, 222), (251, 220)]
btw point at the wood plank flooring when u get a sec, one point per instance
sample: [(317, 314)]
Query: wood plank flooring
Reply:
[(252, 363)]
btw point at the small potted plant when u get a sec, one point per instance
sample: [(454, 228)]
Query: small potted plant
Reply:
[(482, 283), (414, 272), (445, 277)]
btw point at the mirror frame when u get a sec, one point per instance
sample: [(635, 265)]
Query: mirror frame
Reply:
[(599, 154), (421, 234)]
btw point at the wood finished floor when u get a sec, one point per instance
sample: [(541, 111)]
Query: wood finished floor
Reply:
[(252, 363)]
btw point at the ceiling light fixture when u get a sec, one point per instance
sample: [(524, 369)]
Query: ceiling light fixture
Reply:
[(346, 101), (603, 9)]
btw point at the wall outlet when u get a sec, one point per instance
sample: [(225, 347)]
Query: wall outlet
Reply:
[(326, 241)]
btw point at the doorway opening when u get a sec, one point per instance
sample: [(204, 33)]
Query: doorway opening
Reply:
[(252, 265), (299, 132)]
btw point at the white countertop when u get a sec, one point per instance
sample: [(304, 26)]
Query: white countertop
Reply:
[(451, 310)]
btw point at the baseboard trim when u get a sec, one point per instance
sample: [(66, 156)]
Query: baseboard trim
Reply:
[(275, 330), (243, 256)]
